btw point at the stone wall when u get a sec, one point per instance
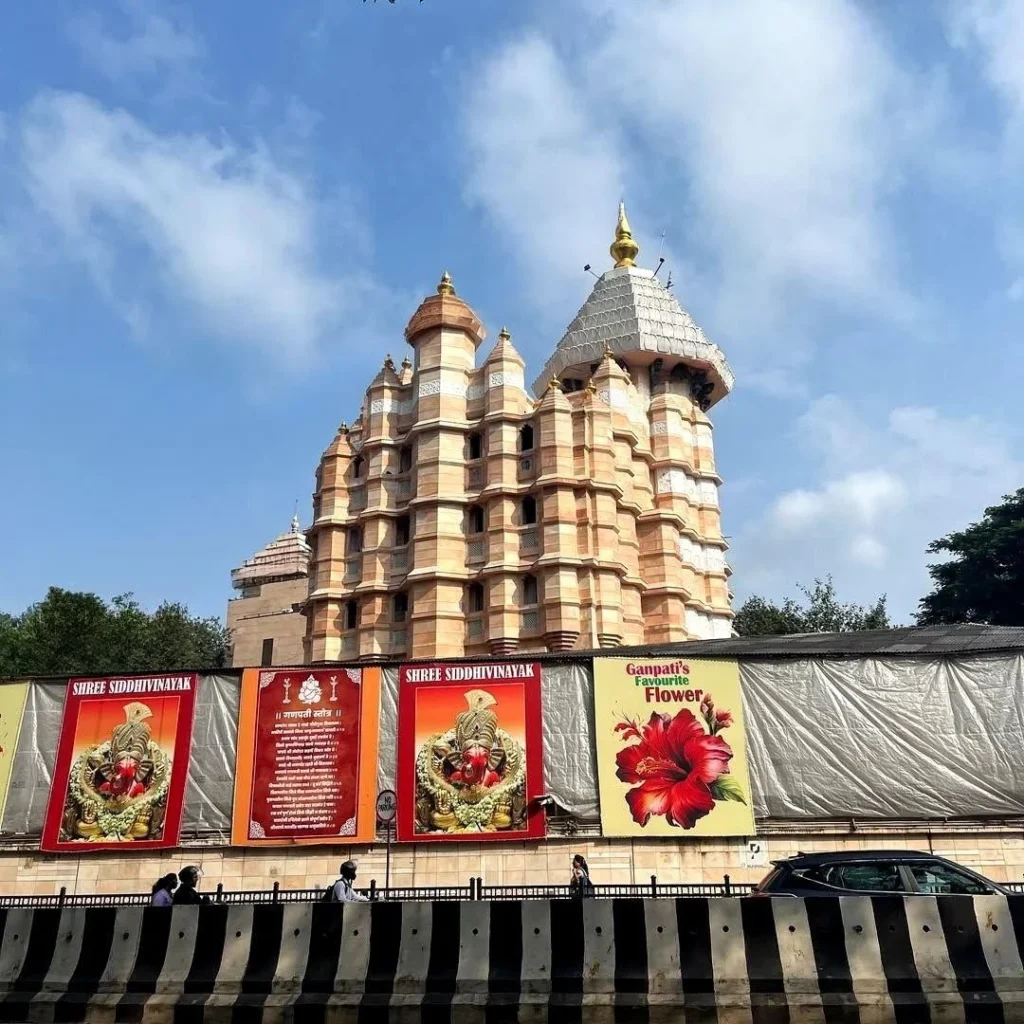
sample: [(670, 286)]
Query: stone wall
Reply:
[(268, 615), (996, 853)]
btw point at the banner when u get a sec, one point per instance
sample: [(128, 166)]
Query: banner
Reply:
[(306, 769), (469, 752), (122, 762), (12, 708), (671, 748)]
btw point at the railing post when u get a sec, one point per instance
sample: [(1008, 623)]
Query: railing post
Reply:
[(218, 896), (62, 896), (373, 889), (728, 887), (277, 889), (654, 886)]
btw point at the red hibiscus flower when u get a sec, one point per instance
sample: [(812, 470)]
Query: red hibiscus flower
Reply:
[(673, 765), (723, 719)]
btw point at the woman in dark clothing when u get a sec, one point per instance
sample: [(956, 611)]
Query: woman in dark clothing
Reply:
[(580, 884), (162, 890)]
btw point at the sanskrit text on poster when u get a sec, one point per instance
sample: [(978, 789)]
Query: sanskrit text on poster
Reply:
[(301, 756)]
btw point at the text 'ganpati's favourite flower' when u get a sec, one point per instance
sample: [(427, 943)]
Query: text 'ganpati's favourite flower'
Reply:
[(673, 766)]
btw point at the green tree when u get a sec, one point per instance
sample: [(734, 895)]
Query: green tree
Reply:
[(983, 581), (70, 633), (823, 613)]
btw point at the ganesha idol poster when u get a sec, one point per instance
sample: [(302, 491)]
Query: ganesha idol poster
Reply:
[(470, 765), (122, 763), (671, 748)]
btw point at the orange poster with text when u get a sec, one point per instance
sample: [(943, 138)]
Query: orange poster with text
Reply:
[(306, 768)]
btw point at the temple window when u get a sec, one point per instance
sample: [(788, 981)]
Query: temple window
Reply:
[(351, 614), (358, 465), (528, 510), (354, 540), (400, 607), (526, 438), (267, 653), (402, 531), (476, 519), (405, 459), (528, 593), (476, 445), (475, 598)]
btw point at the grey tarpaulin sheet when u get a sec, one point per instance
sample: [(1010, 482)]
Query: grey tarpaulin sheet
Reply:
[(886, 737), (211, 770), (570, 757), (32, 768), (387, 768)]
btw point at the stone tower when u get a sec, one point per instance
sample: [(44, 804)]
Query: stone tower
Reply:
[(461, 516), (266, 625)]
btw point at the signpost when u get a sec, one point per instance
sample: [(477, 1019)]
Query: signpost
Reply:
[(387, 808)]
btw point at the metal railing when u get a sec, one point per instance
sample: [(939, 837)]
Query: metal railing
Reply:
[(475, 891)]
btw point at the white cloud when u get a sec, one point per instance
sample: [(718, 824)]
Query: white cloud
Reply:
[(164, 220), (153, 44), (772, 132), (886, 494), (994, 29), (779, 117), (542, 165)]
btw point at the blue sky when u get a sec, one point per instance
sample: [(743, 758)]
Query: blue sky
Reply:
[(216, 219)]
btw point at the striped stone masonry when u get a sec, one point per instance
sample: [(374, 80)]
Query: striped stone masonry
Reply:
[(887, 958)]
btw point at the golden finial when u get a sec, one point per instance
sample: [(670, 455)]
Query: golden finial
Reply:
[(608, 353), (343, 429), (389, 363), (503, 335), (406, 363), (554, 384), (591, 388), (624, 249), (446, 287)]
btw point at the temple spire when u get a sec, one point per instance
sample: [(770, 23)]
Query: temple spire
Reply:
[(624, 249), (446, 287)]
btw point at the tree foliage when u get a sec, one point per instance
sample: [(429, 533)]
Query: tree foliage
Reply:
[(984, 579), (71, 633), (823, 613)]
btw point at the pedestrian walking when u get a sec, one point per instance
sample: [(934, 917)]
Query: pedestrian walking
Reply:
[(344, 890), (162, 890), (580, 884), (188, 892)]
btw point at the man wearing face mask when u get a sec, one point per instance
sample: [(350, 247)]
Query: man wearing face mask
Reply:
[(344, 888)]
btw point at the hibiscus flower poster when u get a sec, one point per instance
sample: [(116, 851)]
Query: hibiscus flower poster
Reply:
[(671, 748)]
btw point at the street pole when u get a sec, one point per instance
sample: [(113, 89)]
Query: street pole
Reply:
[(387, 863)]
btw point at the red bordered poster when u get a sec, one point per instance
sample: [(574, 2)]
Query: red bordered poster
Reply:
[(470, 761), (122, 763)]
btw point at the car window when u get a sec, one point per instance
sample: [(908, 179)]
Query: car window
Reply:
[(827, 874), (942, 879), (878, 877)]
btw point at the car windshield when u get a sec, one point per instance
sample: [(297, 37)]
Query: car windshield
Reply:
[(874, 877), (943, 879)]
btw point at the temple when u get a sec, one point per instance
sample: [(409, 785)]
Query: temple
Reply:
[(459, 515)]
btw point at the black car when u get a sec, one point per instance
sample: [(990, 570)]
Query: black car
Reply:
[(870, 872)]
